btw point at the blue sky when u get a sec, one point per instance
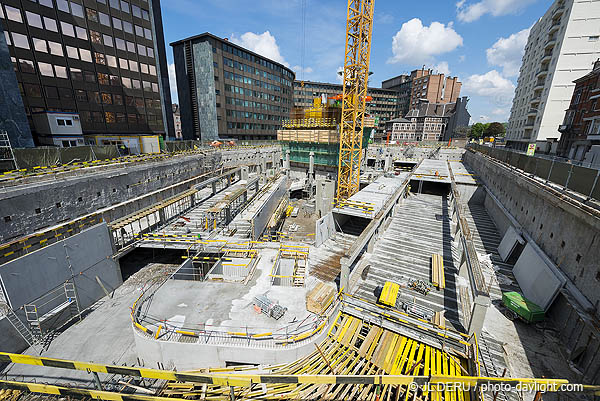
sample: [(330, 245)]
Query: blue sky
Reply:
[(480, 41)]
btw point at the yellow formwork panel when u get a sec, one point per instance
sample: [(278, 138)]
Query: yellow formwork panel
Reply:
[(389, 294)]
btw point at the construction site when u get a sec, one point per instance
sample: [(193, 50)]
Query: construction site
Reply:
[(316, 267)]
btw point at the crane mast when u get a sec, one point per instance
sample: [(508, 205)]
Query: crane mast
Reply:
[(359, 26)]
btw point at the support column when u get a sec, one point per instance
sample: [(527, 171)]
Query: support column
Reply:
[(287, 163), (345, 274), (161, 216), (311, 165), (388, 162), (478, 311), (192, 201), (371, 244), (214, 187), (228, 214)]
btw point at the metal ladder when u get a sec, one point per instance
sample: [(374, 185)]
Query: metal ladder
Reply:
[(71, 295), (25, 333), (33, 319), (6, 150)]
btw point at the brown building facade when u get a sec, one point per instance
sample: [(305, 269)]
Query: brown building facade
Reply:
[(423, 84), (581, 127)]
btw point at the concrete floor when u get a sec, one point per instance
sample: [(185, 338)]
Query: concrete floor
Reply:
[(103, 336), (222, 306)]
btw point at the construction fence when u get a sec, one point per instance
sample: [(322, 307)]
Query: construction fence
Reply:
[(569, 176)]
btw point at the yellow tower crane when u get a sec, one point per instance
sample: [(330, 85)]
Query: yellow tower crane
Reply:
[(359, 26)]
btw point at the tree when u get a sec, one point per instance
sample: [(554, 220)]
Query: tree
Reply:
[(477, 130), (461, 132), (495, 129)]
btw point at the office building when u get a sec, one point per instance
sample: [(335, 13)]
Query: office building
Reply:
[(382, 106), (562, 46), (229, 92), (423, 85), (100, 59)]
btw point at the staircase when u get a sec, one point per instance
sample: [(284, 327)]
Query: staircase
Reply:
[(27, 335), (7, 157), (299, 274)]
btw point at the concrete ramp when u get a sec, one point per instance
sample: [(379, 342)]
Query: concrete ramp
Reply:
[(536, 278)]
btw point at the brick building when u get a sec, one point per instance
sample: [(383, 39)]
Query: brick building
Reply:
[(423, 85), (581, 126)]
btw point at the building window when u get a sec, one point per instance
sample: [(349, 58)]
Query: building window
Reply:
[(61, 72), (92, 14), (67, 29), (50, 24), (13, 14), (45, 69), (34, 19), (27, 66)]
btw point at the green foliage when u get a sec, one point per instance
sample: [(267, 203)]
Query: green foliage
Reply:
[(477, 130), (495, 129)]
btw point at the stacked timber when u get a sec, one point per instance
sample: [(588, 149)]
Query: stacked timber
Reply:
[(309, 135), (437, 271), (319, 298)]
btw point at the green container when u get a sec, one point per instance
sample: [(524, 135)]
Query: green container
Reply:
[(523, 307)]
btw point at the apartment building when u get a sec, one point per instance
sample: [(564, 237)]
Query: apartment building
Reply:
[(227, 91), (423, 85), (101, 60), (581, 127), (562, 46), (383, 105)]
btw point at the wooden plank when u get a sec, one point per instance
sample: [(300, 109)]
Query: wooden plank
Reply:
[(362, 351), (389, 357)]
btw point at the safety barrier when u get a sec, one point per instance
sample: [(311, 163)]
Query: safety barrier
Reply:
[(291, 334), (567, 175)]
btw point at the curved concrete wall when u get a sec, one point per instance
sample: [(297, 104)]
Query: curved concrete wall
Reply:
[(187, 356)]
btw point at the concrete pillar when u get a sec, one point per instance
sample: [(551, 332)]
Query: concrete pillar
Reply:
[(228, 214), (311, 165), (161, 216), (192, 200), (478, 311), (372, 241), (345, 274), (214, 187), (263, 164), (244, 173), (324, 196), (286, 165), (388, 162)]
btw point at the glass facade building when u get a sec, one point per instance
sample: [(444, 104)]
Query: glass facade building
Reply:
[(102, 59), (226, 91)]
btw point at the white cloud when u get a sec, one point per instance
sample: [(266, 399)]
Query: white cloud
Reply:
[(508, 52), (491, 85), (340, 74), (461, 58), (500, 111), (473, 11), (173, 83), (483, 119), (264, 44), (442, 68), (298, 70), (416, 44)]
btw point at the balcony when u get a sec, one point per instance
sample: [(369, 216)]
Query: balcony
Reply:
[(542, 73), (529, 126), (532, 112), (535, 100), (564, 128), (539, 86), (558, 12), (550, 43), (554, 27), (547, 57)]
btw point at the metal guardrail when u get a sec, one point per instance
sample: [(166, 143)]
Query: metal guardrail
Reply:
[(579, 179)]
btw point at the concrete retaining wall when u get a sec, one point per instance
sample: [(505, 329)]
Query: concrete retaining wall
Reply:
[(569, 236), (186, 356), (41, 204)]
